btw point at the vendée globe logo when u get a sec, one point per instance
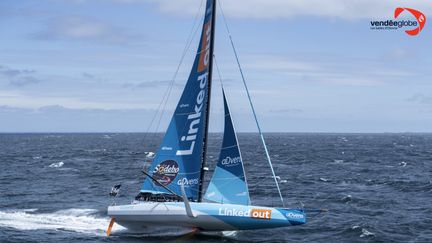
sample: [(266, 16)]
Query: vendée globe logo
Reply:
[(417, 24)]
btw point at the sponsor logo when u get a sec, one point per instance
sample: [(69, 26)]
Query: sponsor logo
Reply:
[(228, 161), (195, 118), (420, 17), (204, 58), (294, 215), (418, 23), (261, 213), (254, 213), (166, 172), (187, 182)]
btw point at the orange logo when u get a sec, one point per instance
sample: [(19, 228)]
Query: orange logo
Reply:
[(421, 19), (261, 213), (205, 48)]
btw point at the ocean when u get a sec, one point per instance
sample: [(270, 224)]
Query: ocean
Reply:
[(374, 187)]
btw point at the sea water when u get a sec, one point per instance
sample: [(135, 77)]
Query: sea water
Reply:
[(375, 187)]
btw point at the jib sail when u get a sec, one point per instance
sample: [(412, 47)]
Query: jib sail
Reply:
[(228, 184)]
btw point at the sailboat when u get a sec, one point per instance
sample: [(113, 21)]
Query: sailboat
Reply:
[(172, 194)]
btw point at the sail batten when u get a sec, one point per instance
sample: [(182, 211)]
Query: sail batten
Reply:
[(179, 159)]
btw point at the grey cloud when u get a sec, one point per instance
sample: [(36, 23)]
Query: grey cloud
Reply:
[(8, 109), (88, 75), (421, 98), (22, 81), (14, 72), (18, 77)]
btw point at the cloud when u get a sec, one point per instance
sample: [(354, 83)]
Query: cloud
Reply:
[(88, 75), (355, 72), (271, 9), (150, 84), (421, 98), (57, 118), (14, 72), (23, 81), (279, 63), (18, 77), (86, 29)]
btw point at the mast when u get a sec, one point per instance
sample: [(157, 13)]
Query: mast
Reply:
[(210, 77)]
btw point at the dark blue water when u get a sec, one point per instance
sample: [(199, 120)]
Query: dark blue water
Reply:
[(377, 187)]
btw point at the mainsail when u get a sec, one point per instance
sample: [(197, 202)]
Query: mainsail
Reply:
[(228, 184), (179, 159)]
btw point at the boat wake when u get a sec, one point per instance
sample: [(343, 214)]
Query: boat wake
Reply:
[(77, 220)]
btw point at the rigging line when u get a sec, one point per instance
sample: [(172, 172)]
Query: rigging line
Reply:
[(163, 110), (251, 105), (191, 37), (218, 71), (167, 93), (175, 75)]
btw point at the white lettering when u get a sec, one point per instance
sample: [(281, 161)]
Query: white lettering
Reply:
[(294, 215), (187, 182), (231, 161), (234, 212), (166, 169), (195, 117)]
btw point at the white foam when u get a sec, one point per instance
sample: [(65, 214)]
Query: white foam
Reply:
[(366, 233), (56, 165), (149, 155), (347, 198), (78, 220), (229, 233)]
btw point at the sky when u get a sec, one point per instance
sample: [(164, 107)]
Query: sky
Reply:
[(311, 66)]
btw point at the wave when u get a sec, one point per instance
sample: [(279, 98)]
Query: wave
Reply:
[(56, 165), (77, 220), (364, 232)]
